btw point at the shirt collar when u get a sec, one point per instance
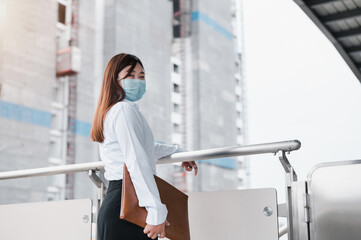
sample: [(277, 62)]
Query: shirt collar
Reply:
[(131, 103)]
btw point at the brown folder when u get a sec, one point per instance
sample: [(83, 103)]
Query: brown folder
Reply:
[(175, 200)]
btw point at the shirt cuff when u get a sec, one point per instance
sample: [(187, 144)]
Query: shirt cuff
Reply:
[(156, 216), (179, 149)]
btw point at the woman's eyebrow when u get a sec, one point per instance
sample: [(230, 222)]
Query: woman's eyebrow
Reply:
[(134, 71)]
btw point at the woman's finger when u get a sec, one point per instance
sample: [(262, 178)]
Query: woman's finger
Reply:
[(187, 166), (146, 229), (194, 165), (162, 234)]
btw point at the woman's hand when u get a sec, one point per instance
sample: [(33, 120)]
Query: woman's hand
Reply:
[(188, 166), (154, 231)]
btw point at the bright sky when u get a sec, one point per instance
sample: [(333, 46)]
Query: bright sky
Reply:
[(298, 87)]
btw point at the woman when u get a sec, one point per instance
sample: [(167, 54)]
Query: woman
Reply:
[(125, 138)]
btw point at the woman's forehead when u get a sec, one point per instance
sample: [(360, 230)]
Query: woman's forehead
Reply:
[(137, 67)]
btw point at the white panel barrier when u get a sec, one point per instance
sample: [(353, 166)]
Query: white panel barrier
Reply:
[(230, 215), (335, 201), (60, 220), (243, 214)]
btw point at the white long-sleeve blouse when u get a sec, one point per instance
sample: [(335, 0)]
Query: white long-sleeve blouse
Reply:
[(128, 139)]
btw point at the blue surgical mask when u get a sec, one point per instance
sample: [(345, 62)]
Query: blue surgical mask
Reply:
[(134, 89)]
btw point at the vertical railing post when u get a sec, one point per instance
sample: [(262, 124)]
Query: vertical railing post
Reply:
[(291, 177), (100, 193)]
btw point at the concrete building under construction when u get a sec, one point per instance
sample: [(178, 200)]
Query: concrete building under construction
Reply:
[(53, 55)]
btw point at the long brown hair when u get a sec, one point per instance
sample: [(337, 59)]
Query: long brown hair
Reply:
[(111, 92)]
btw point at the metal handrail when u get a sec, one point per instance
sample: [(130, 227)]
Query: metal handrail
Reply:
[(285, 146)]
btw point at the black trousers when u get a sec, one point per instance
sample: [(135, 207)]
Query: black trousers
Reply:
[(109, 225)]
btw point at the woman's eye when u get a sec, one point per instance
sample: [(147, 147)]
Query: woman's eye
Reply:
[(142, 77)]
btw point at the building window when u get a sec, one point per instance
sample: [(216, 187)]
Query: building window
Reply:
[(175, 68), (239, 131), (238, 114), (176, 31), (175, 87), (176, 6), (237, 81), (176, 127), (61, 13), (176, 19), (176, 107), (238, 98)]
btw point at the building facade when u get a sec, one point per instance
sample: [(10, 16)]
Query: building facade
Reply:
[(47, 96), (207, 55), (53, 56)]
